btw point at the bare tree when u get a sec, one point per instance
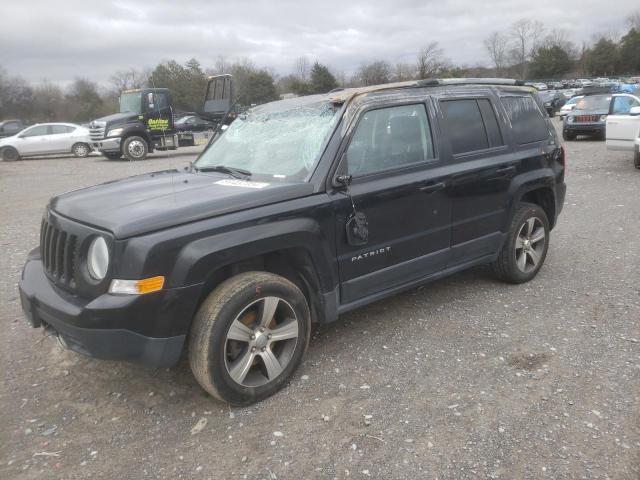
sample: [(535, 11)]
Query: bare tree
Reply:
[(430, 61), (129, 79), (374, 73), (496, 46), (526, 34), (403, 72), (633, 20), (302, 68)]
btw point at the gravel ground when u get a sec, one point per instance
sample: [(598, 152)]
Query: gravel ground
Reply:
[(463, 378)]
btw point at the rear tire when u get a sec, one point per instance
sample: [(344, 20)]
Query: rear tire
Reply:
[(9, 154), (525, 248), (232, 347), (81, 150), (135, 148)]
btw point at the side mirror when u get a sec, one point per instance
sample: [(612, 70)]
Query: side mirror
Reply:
[(634, 111)]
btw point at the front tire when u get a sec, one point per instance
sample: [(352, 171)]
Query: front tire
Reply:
[(525, 248), (248, 337), (81, 150), (10, 154), (135, 148)]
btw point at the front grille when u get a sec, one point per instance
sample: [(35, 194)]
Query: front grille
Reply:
[(96, 130), (58, 251), (587, 118), (96, 133)]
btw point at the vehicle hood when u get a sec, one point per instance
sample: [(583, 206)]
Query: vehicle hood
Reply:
[(7, 140), (575, 112), (118, 118), (153, 201)]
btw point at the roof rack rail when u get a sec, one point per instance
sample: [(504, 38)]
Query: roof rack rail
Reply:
[(435, 82)]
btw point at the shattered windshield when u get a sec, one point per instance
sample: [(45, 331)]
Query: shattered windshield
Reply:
[(130, 102), (276, 141)]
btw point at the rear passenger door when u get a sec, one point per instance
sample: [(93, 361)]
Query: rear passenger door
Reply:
[(483, 169), (400, 191)]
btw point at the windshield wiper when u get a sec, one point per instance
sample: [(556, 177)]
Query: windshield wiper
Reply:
[(234, 172)]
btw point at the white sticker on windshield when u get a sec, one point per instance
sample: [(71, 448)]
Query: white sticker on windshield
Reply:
[(230, 182)]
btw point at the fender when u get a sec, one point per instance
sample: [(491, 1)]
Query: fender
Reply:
[(198, 259), (527, 182), (137, 129)]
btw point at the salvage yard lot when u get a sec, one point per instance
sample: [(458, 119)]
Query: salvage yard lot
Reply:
[(462, 378)]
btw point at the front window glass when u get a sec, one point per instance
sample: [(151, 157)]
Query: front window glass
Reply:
[(130, 102), (280, 143), (595, 102), (36, 131), (388, 138), (622, 105)]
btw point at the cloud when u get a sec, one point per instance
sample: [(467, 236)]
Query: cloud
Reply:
[(41, 39)]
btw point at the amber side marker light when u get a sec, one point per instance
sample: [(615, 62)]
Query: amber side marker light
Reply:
[(136, 287)]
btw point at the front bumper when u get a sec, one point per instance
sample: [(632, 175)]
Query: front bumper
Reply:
[(97, 327), (107, 144), (585, 128)]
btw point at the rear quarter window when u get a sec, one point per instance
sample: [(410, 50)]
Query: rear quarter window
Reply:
[(528, 121)]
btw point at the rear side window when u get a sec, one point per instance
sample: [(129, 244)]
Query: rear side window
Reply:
[(56, 129), (490, 123), (529, 124), (471, 125)]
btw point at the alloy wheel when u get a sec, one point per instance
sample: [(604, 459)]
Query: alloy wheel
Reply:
[(261, 341), (530, 244)]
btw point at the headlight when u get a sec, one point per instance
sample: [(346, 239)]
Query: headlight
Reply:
[(98, 258), (116, 132), (569, 119), (603, 118)]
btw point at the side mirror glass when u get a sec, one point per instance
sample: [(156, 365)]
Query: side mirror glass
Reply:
[(634, 111)]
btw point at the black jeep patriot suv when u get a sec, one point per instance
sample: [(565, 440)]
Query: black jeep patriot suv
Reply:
[(302, 210)]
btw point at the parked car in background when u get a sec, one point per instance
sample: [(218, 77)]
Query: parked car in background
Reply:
[(589, 117), (569, 105), (189, 125), (9, 128), (552, 101), (537, 85), (623, 125), (46, 139)]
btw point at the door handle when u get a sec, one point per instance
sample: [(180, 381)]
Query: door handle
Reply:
[(434, 187), (506, 170)]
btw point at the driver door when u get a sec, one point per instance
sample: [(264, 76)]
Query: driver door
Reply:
[(397, 202), (34, 140), (622, 127)]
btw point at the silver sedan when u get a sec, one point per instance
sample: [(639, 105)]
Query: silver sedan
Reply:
[(46, 139)]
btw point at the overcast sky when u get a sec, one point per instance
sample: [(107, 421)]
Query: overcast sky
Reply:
[(59, 40)]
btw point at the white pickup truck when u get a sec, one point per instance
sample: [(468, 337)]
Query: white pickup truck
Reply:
[(623, 125)]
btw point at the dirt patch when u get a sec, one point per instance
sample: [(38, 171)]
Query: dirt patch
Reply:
[(528, 361)]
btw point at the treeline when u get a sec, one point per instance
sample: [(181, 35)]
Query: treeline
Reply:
[(528, 50), (525, 50)]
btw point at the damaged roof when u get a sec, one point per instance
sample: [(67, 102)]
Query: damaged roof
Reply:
[(343, 95)]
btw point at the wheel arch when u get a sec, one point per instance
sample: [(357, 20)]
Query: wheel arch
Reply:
[(294, 249), (537, 187)]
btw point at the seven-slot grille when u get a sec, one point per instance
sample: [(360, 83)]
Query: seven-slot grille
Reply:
[(587, 118), (58, 252)]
